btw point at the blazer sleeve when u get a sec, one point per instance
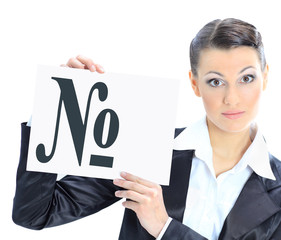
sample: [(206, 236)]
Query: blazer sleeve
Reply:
[(177, 230), (40, 201)]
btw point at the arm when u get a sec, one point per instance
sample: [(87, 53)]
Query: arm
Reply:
[(41, 201)]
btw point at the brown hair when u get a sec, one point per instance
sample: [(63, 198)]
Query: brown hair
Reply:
[(226, 34)]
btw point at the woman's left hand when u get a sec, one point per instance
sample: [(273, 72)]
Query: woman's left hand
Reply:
[(146, 201)]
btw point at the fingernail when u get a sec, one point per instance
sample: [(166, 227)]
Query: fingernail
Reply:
[(101, 68), (123, 174), (93, 68)]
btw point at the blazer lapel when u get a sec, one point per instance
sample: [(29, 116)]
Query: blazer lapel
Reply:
[(252, 207), (175, 194)]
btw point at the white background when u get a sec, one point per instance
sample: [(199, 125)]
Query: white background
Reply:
[(144, 37)]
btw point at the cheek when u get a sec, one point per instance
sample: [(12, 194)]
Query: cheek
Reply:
[(250, 98), (212, 100)]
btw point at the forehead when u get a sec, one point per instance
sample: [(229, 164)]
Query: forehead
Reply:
[(227, 61)]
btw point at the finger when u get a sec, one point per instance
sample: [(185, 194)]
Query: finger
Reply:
[(130, 205), (99, 68), (130, 185), (132, 195), (63, 65), (75, 63), (133, 178), (88, 63)]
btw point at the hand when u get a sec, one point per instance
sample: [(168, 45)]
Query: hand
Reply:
[(83, 63), (147, 201)]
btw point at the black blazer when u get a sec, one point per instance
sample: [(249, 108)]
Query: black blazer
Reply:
[(41, 201)]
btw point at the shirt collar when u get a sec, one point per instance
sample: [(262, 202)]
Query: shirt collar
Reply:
[(196, 137), (258, 156)]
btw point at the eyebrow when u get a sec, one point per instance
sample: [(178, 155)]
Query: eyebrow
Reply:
[(244, 69), (220, 74)]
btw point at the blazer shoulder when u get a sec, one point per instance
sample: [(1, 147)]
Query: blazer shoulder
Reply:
[(274, 186)]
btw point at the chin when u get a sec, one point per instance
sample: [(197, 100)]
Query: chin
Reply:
[(235, 128), (232, 126)]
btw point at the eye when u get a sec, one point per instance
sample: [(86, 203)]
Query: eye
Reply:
[(215, 82), (248, 78)]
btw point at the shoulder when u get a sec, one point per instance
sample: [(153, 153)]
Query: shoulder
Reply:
[(274, 187)]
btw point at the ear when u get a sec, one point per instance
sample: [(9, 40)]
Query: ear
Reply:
[(265, 77), (194, 84)]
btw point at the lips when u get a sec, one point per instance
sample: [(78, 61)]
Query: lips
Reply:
[(233, 114)]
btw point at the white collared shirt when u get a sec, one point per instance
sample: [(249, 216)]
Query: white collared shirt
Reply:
[(210, 198)]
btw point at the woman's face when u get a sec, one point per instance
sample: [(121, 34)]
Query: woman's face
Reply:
[(230, 83)]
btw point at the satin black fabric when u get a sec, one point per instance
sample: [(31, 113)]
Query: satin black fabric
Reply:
[(40, 201)]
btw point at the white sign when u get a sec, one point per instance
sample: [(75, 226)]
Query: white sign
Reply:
[(98, 125)]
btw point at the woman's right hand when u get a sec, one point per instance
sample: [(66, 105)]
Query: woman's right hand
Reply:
[(83, 62)]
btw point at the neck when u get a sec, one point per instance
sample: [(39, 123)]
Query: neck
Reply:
[(227, 145)]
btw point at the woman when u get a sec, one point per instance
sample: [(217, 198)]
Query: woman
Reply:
[(223, 185)]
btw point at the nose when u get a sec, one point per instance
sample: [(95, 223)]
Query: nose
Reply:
[(231, 96)]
